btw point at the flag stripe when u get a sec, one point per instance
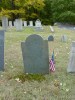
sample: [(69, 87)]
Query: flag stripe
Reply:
[(52, 66)]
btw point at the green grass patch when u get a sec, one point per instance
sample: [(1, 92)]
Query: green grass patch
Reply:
[(30, 77)]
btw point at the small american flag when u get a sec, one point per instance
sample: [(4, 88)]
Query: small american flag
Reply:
[(52, 64)]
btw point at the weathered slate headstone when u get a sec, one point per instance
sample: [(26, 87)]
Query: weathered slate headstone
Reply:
[(4, 23), (1, 50), (18, 24), (64, 38), (35, 55), (51, 28), (71, 65), (25, 23), (50, 38)]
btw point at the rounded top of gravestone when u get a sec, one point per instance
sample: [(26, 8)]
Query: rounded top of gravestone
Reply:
[(38, 20), (51, 38), (34, 39)]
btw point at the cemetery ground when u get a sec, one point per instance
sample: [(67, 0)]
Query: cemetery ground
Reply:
[(59, 85)]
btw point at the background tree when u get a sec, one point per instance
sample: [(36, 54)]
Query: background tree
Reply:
[(63, 10), (8, 8), (31, 8), (46, 13)]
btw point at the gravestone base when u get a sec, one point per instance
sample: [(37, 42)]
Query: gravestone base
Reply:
[(30, 26), (39, 28)]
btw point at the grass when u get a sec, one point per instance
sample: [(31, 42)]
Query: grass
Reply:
[(29, 77), (59, 85)]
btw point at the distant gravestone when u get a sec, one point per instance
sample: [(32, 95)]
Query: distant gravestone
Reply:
[(51, 28), (10, 24), (31, 23), (25, 23), (4, 23), (71, 65), (55, 24), (50, 38), (38, 25), (18, 24), (64, 38), (35, 55), (1, 50)]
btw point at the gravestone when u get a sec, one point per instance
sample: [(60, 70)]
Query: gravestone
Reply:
[(71, 65), (10, 24), (18, 24), (25, 23), (51, 28), (35, 55), (31, 23), (38, 25), (1, 50), (64, 38), (4, 23), (55, 24), (50, 38)]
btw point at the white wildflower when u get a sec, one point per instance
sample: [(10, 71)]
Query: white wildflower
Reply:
[(5, 63), (25, 92), (1, 75), (66, 47), (18, 80), (61, 84), (68, 53), (67, 90)]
